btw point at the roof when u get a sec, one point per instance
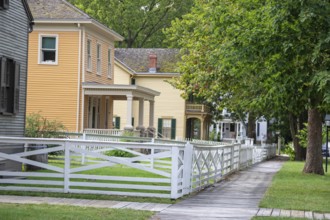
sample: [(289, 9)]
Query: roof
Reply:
[(137, 59), (55, 9), (51, 11)]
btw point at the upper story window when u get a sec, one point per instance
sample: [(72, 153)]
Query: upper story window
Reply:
[(48, 49), (98, 59), (89, 55), (4, 4), (109, 64), (9, 86)]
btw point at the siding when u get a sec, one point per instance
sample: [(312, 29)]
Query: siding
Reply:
[(13, 44), (52, 89), (168, 105), (91, 76)]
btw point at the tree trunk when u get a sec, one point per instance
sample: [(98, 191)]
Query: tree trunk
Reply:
[(295, 126), (314, 160), (252, 127)]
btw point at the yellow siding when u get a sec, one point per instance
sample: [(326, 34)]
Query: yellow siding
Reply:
[(121, 76), (168, 105), (92, 76), (52, 89)]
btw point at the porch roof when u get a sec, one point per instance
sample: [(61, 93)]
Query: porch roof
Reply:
[(119, 92)]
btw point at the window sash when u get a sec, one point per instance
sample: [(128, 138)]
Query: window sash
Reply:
[(98, 52), (89, 55), (48, 49)]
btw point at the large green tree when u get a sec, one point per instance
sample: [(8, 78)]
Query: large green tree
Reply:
[(139, 21), (267, 57)]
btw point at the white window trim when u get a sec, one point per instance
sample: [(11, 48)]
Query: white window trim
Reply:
[(98, 71), (40, 47), (91, 55), (110, 63)]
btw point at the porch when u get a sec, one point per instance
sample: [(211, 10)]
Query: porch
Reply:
[(98, 111)]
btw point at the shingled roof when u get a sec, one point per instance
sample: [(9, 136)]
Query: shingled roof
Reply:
[(137, 59), (56, 9)]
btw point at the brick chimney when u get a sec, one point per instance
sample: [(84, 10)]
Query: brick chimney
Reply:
[(152, 63)]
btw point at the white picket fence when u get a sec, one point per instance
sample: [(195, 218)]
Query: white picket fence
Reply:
[(177, 169)]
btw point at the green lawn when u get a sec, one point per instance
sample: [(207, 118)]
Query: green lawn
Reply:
[(53, 212), (116, 170), (277, 218), (293, 190)]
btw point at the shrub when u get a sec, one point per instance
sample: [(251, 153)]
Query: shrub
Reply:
[(118, 153), (289, 150), (39, 126)]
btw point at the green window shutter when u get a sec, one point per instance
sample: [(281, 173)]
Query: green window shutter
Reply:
[(117, 122), (133, 121), (173, 128), (160, 127)]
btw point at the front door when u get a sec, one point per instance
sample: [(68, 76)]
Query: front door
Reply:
[(94, 106)]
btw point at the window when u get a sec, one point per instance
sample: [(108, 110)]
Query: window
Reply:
[(167, 128), (132, 81), (4, 4), (89, 55), (48, 49), (109, 64), (9, 86), (98, 58)]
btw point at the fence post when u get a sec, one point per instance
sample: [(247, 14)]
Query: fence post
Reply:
[(239, 157), (174, 173), (66, 167), (83, 155), (187, 168), (232, 148)]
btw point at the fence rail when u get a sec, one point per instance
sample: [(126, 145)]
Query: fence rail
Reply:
[(168, 170)]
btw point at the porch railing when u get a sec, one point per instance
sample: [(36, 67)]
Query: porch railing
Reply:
[(197, 108)]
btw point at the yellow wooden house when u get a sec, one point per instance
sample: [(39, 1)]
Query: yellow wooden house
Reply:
[(71, 69), (175, 118)]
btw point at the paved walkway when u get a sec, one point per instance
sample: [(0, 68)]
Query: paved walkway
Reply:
[(237, 198)]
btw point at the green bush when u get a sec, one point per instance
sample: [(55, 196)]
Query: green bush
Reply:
[(289, 150), (118, 153), (38, 126)]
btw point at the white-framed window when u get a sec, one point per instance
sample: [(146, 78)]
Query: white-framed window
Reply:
[(98, 59), (166, 129), (109, 63), (48, 49), (89, 55)]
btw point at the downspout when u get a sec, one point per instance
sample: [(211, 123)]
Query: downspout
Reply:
[(83, 80), (79, 75)]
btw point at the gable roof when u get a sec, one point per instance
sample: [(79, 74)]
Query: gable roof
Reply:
[(56, 9), (61, 11), (137, 59)]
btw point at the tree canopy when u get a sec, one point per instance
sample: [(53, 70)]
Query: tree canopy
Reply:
[(268, 57), (140, 21)]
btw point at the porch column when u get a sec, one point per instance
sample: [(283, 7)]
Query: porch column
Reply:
[(141, 114), (221, 129), (151, 128), (128, 125), (202, 129)]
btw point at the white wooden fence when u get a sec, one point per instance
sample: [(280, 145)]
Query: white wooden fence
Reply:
[(173, 169)]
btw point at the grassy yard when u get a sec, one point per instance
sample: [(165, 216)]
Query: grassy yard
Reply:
[(116, 170), (277, 218), (293, 190), (52, 212)]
